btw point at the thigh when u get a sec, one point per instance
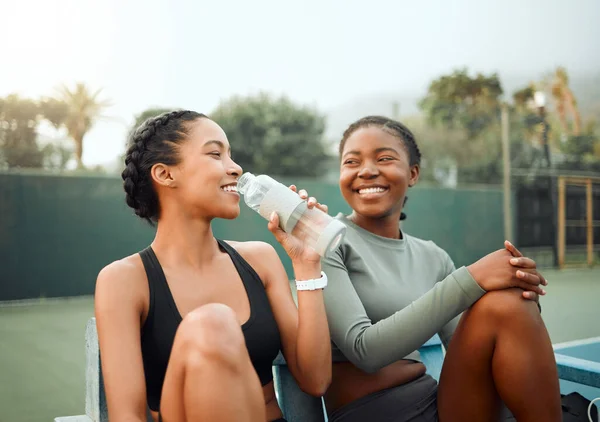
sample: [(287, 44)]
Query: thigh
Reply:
[(466, 389), (172, 403)]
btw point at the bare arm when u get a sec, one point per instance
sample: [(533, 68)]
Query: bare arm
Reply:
[(304, 331), (118, 309)]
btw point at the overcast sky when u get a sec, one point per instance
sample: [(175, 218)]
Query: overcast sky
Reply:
[(325, 53)]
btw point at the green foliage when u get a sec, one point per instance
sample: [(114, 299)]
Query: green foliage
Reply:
[(580, 145), (459, 101), (273, 135), (462, 125), (146, 114), (19, 121), (142, 117), (523, 97), (56, 156)]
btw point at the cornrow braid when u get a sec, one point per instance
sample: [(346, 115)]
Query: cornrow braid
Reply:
[(394, 128), (154, 141)]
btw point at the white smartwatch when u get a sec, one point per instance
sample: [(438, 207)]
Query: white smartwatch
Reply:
[(314, 284)]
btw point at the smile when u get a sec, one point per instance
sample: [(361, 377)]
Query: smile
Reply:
[(373, 190), (230, 189)]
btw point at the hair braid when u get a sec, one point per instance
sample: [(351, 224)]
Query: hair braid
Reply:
[(391, 126), (151, 143)]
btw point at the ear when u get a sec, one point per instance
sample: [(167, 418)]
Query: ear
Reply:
[(162, 175), (414, 175)]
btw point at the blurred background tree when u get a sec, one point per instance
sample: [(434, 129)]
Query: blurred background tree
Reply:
[(274, 135), (20, 119), (83, 108)]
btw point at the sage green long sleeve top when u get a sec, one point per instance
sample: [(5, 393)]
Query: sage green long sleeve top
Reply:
[(385, 297)]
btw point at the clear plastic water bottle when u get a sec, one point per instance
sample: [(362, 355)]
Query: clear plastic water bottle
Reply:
[(314, 227)]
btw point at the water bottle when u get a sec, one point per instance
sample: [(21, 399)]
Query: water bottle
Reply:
[(314, 227)]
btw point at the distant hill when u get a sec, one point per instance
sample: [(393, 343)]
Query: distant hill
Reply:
[(338, 118)]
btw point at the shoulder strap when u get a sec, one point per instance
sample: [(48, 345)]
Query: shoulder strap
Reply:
[(153, 274)]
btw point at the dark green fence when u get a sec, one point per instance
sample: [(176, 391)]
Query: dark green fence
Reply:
[(57, 232)]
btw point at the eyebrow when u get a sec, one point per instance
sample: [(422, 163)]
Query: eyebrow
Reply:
[(216, 142), (377, 151)]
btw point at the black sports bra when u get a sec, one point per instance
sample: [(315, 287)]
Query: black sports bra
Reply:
[(260, 331)]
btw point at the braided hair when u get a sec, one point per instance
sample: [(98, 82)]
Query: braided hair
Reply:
[(154, 141), (392, 127)]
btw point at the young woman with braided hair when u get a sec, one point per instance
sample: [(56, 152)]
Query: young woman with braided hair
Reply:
[(190, 325), (390, 292)]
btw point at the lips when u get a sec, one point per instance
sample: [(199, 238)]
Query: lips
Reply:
[(366, 191), (231, 188), (371, 189)]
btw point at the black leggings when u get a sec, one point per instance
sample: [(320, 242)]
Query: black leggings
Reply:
[(415, 402)]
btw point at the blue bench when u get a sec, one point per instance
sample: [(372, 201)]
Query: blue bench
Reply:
[(297, 406)]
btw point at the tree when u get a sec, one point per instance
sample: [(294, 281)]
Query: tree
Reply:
[(145, 115), (564, 100), (19, 121), (459, 101), (579, 146), (463, 124), (84, 107), (273, 135)]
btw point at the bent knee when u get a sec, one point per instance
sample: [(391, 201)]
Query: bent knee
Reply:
[(211, 331), (211, 316), (507, 303)]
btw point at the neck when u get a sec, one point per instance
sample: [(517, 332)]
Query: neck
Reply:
[(182, 241), (388, 226)]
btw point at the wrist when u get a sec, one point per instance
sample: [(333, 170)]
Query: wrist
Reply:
[(306, 270), (474, 271), (312, 284)]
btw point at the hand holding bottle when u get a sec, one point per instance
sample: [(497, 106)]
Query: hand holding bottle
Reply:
[(296, 248), (303, 219)]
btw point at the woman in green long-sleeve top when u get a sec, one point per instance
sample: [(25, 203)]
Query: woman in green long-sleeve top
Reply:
[(390, 292)]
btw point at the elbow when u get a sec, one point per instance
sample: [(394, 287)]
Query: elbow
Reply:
[(365, 364), (316, 383), (316, 387)]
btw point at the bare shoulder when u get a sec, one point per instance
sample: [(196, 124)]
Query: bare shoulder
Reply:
[(261, 256), (122, 281), (252, 248)]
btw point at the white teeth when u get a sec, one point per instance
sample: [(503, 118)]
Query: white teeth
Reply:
[(371, 190), (229, 188)]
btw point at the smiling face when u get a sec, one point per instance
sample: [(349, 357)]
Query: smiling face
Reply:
[(205, 178), (376, 172)]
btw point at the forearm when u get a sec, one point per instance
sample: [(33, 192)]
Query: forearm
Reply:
[(313, 345), (373, 346)]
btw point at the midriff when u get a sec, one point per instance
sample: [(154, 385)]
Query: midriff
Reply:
[(350, 383)]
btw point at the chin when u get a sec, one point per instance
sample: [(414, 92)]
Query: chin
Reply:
[(231, 213), (374, 211)]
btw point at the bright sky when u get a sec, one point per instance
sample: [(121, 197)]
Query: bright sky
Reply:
[(322, 52)]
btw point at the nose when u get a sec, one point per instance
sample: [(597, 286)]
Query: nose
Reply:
[(368, 171), (234, 169)]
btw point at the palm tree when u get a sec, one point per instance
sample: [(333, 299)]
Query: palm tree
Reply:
[(565, 100), (84, 107)]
